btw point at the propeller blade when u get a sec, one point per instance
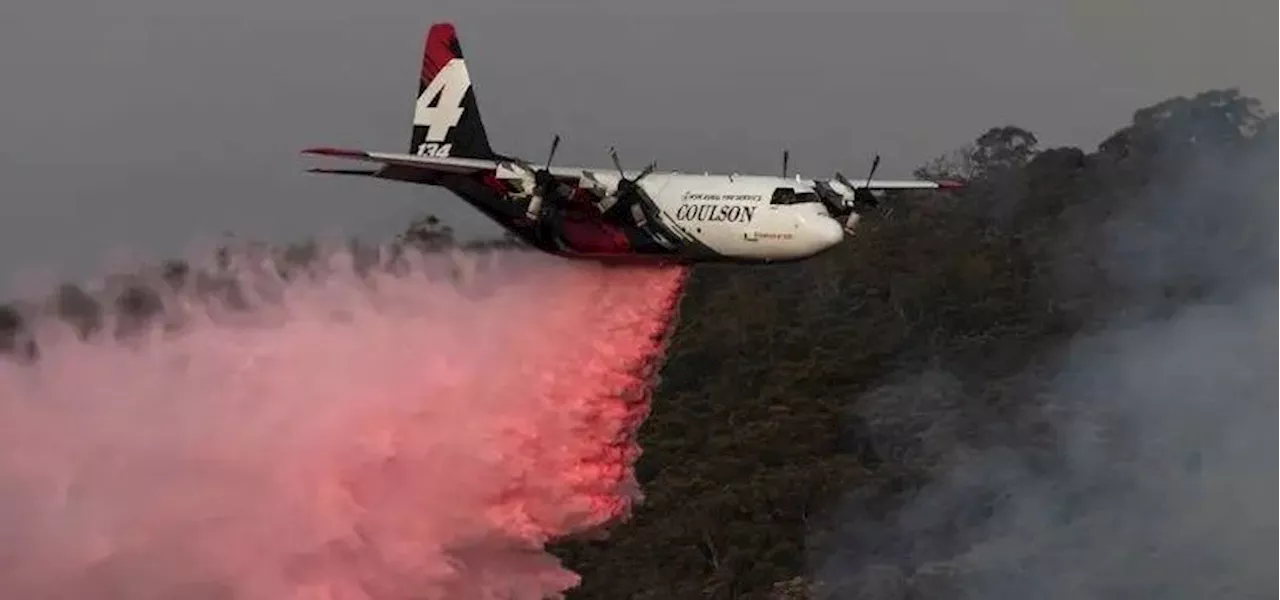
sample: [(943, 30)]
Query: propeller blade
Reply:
[(866, 197), (645, 173), (874, 164), (845, 181), (613, 153), (786, 157), (555, 143)]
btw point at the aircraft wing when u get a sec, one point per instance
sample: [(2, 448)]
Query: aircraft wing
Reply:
[(905, 184), (442, 164), (899, 184)]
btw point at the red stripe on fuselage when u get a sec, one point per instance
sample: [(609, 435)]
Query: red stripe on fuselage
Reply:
[(585, 229)]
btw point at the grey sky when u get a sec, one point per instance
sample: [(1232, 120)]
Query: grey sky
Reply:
[(143, 125)]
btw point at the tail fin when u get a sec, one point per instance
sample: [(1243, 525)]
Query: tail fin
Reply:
[(446, 120)]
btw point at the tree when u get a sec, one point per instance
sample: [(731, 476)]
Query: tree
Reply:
[(1177, 125), (427, 232), (1002, 149), (997, 150), (955, 165)]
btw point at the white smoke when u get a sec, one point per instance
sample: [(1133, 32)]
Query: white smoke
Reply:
[(1157, 474)]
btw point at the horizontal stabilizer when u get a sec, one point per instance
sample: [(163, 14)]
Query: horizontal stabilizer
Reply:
[(446, 164), (364, 172)]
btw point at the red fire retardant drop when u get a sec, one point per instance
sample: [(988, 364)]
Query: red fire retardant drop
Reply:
[(392, 437)]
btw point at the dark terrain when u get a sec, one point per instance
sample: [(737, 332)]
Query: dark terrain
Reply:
[(896, 418)]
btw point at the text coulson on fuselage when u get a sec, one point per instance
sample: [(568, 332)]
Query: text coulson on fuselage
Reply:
[(715, 212)]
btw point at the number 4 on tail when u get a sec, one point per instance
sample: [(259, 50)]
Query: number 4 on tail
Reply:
[(439, 107), (434, 149)]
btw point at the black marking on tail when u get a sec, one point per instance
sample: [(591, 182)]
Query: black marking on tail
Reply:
[(449, 123)]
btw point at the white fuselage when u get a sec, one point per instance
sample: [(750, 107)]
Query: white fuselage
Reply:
[(735, 215), (738, 216)]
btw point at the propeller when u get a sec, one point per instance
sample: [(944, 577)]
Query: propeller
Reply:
[(628, 187), (863, 198), (617, 164), (628, 192), (542, 181), (786, 158)]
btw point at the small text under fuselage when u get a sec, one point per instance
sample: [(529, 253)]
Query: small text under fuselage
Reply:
[(695, 196), (715, 212)]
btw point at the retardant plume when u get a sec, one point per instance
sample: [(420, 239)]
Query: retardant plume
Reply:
[(385, 434)]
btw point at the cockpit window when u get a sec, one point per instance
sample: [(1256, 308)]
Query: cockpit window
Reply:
[(790, 196)]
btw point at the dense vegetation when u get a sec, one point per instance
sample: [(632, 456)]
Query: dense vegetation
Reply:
[(754, 442), (755, 451)]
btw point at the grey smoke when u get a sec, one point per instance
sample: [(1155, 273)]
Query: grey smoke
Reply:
[(1161, 475)]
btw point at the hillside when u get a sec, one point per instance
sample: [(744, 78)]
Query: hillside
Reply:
[(805, 407), (901, 417)]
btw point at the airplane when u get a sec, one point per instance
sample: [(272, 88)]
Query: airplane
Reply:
[(614, 214)]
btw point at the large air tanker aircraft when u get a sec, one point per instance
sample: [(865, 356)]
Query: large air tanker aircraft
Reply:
[(613, 214)]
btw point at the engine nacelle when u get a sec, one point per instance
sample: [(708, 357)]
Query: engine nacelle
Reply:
[(593, 184), (511, 172), (837, 203)]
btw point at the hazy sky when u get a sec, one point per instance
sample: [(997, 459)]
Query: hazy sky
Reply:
[(140, 126)]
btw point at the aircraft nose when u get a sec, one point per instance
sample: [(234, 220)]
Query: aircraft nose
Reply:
[(827, 232)]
